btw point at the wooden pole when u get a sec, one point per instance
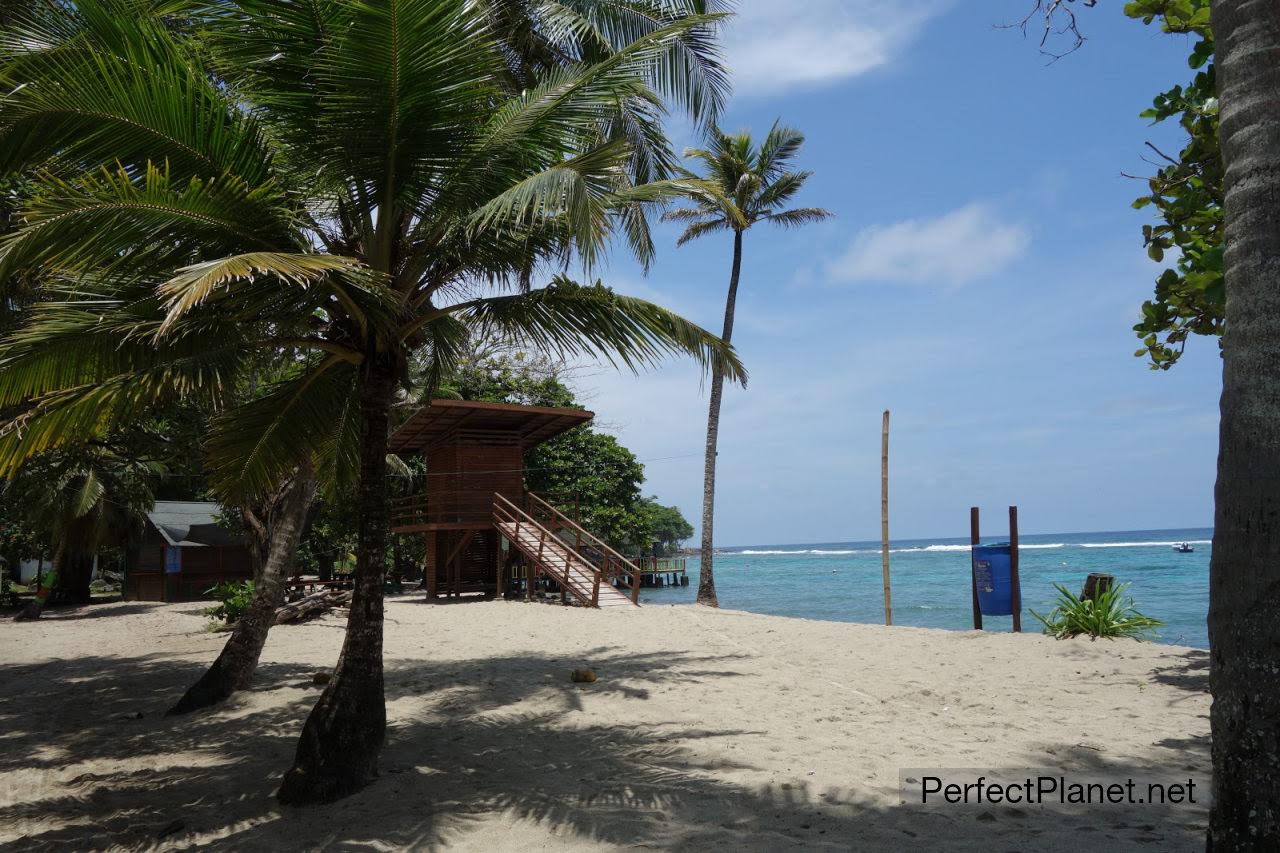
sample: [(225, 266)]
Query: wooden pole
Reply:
[(884, 516), (974, 539), (1013, 569)]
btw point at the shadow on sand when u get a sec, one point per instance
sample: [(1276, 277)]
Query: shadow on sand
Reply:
[(84, 771)]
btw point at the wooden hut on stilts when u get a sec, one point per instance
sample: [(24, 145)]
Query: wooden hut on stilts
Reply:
[(483, 532)]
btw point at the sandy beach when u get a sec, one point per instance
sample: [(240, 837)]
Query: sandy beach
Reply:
[(706, 730)]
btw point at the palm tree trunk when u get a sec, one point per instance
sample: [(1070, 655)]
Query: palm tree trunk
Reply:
[(338, 752), (234, 668), (1244, 574), (74, 576), (254, 518), (706, 578)]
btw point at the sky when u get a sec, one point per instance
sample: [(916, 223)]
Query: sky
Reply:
[(980, 279)]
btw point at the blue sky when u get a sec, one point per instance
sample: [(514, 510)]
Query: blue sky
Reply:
[(980, 279)]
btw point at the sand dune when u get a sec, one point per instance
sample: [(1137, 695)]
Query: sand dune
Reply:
[(705, 730)]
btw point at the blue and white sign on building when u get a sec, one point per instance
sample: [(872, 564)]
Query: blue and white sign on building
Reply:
[(172, 560)]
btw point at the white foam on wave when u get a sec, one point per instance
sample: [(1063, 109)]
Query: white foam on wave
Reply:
[(1145, 544), (927, 549), (804, 551)]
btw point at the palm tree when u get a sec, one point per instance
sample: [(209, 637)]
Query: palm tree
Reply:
[(348, 184), (1244, 573), (84, 500), (743, 185), (275, 525)]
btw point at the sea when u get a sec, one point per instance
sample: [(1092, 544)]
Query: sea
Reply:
[(930, 586)]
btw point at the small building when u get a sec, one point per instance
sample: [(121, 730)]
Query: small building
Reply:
[(481, 528), (182, 553)]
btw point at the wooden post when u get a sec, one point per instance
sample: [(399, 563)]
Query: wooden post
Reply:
[(1013, 569), (974, 539), (884, 516), (500, 588), (431, 574), (1096, 584)]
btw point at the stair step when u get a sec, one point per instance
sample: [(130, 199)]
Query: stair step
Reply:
[(560, 562)]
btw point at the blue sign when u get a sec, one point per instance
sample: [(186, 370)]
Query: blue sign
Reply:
[(172, 560)]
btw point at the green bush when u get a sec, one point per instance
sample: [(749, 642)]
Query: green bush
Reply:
[(1111, 614), (233, 601)]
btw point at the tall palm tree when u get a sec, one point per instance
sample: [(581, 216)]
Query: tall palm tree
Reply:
[(1244, 573), (741, 186), (346, 183)]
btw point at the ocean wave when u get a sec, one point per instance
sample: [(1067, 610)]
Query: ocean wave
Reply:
[(1145, 544), (804, 551), (935, 549)]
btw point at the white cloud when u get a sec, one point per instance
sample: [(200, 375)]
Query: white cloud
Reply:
[(958, 247), (777, 45)]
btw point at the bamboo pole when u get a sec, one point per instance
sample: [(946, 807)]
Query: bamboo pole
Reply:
[(884, 516)]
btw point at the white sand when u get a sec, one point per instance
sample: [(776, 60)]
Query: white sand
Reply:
[(706, 730)]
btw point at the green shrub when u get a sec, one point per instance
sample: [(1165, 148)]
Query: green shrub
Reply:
[(233, 601), (1111, 614)]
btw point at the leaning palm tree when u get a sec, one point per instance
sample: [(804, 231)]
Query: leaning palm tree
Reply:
[(348, 184), (743, 185)]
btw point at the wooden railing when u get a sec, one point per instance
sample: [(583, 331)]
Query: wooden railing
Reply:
[(587, 545), (413, 510), (408, 510), (662, 565), (506, 512)]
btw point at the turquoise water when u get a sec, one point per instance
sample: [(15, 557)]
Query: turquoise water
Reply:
[(841, 581)]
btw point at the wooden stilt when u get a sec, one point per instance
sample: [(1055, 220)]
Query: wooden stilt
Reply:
[(974, 539), (1013, 569)]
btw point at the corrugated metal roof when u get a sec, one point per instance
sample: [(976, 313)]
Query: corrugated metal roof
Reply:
[(189, 524)]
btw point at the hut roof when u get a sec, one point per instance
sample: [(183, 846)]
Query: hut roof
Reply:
[(443, 420), (186, 524)]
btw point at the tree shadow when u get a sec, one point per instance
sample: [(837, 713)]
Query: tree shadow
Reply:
[(1190, 673), (92, 610), (82, 770)]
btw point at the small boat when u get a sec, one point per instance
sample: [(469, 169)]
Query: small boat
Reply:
[(1183, 548)]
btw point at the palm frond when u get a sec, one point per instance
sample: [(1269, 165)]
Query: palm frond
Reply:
[(780, 146), (193, 285), (702, 229), (799, 216), (144, 222), (258, 443), (65, 346), (101, 85), (780, 191), (690, 72), (572, 320), (576, 191)]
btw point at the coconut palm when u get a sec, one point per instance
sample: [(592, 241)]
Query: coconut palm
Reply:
[(345, 184), (85, 500), (741, 186), (1244, 574)]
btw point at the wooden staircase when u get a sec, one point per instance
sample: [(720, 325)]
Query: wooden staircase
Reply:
[(558, 547)]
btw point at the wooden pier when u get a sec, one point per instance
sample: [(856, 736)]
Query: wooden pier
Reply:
[(663, 571)]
